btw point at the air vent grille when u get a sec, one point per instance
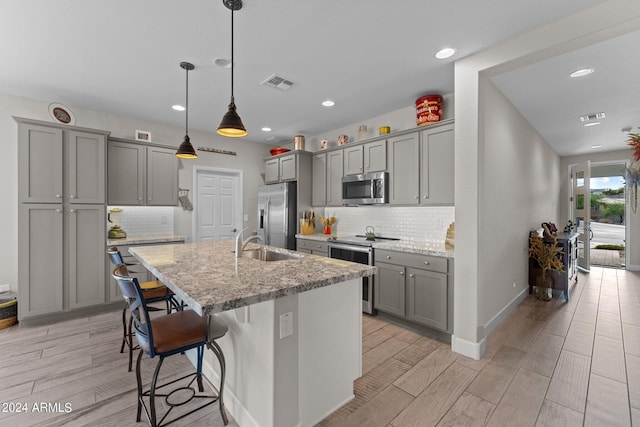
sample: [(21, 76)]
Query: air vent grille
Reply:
[(590, 117), (278, 82)]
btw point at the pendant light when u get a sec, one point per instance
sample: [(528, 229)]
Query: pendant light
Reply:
[(186, 150), (231, 124)]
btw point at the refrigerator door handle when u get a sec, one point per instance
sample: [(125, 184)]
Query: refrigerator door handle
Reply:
[(261, 214), (267, 237)]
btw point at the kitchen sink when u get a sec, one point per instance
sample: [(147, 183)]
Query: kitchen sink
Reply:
[(264, 254)]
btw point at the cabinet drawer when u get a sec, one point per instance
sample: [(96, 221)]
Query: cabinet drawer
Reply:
[(424, 262), (313, 245)]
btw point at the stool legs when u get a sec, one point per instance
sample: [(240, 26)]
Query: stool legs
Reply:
[(124, 330), (213, 346), (139, 381)]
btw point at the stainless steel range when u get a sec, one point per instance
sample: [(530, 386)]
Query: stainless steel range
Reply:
[(358, 249)]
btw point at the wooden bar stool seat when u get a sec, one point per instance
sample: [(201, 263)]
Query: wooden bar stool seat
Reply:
[(165, 336)]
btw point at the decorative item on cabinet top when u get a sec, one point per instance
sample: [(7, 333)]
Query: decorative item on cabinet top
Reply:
[(143, 135), (217, 151), (62, 114)]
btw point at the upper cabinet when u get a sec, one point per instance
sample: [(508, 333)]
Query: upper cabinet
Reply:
[(319, 180), (141, 175), (282, 168), (365, 158), (60, 165), (422, 167), (437, 176), (327, 178)]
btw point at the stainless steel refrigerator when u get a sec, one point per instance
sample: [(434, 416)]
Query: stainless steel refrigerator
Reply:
[(277, 214)]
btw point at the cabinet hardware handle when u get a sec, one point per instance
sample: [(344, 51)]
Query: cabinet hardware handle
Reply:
[(72, 211), (416, 197), (388, 256), (72, 196), (412, 275), (426, 263), (58, 196), (402, 273), (58, 210)]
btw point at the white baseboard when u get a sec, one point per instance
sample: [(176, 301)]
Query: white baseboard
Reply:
[(5, 288), (502, 314), (633, 267), (474, 350)]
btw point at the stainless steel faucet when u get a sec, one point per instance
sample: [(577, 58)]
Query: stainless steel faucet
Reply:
[(240, 244)]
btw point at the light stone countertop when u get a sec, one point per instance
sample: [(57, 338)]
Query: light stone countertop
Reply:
[(422, 248), (210, 279), (146, 239)]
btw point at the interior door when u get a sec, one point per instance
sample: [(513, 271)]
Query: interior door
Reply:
[(218, 195), (581, 210)]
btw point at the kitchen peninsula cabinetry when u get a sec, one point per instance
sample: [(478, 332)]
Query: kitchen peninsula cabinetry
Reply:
[(421, 166), (61, 238), (415, 287), (141, 174), (365, 158), (327, 178)]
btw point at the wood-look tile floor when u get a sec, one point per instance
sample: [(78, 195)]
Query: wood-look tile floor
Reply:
[(75, 369), (547, 364)]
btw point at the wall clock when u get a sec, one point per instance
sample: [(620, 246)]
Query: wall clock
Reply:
[(61, 114)]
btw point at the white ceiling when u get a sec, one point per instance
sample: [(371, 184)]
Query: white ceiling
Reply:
[(370, 57)]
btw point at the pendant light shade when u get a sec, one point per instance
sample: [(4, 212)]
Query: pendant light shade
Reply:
[(186, 150), (231, 124)]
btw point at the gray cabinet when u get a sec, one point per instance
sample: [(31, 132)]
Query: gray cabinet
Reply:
[(365, 158), (319, 180), (311, 246), (415, 287), (141, 175), (404, 161), (61, 227), (437, 166), (281, 168), (327, 178)]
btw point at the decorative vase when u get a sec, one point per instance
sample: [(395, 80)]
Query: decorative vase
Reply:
[(327, 229), (544, 288)]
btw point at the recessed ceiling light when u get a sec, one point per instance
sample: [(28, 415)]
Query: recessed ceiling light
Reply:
[(266, 129), (178, 107), (581, 72), (595, 147), (445, 53), (222, 62), (591, 124), (328, 103)]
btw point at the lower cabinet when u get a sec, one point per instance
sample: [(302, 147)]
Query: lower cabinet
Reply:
[(417, 288), (60, 248), (311, 246)]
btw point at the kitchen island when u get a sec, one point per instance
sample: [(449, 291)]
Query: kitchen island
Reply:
[(294, 343)]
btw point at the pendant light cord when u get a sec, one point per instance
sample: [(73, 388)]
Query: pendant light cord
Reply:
[(186, 131), (232, 100)]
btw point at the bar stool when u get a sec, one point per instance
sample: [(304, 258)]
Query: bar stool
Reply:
[(153, 291), (165, 336)]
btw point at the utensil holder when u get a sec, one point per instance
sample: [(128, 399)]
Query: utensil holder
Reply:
[(307, 226), (326, 229)]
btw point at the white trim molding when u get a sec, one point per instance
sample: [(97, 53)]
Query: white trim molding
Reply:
[(474, 350)]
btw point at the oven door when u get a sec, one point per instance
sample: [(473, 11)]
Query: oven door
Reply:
[(361, 255)]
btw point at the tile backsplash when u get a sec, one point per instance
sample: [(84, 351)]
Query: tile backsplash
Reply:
[(420, 224), (139, 220)]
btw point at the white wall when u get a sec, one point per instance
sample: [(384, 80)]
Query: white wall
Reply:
[(249, 159)]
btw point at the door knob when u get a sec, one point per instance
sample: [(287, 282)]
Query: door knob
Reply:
[(234, 230), (402, 273)]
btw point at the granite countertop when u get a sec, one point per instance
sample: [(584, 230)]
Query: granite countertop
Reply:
[(415, 247), (210, 279), (146, 239)]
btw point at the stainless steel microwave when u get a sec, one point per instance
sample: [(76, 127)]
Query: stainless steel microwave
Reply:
[(365, 189)]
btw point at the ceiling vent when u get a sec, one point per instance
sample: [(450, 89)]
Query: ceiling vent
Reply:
[(278, 82), (596, 116)]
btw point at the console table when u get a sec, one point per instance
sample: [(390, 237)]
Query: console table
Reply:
[(568, 242)]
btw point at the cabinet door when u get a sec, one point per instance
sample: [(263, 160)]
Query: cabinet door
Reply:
[(334, 178), (126, 164), (39, 164), (319, 180), (288, 168), (271, 171), (85, 240), (427, 297), (162, 177), (353, 160), (404, 163), (375, 156), (437, 166), (40, 259), (389, 289), (85, 167)]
